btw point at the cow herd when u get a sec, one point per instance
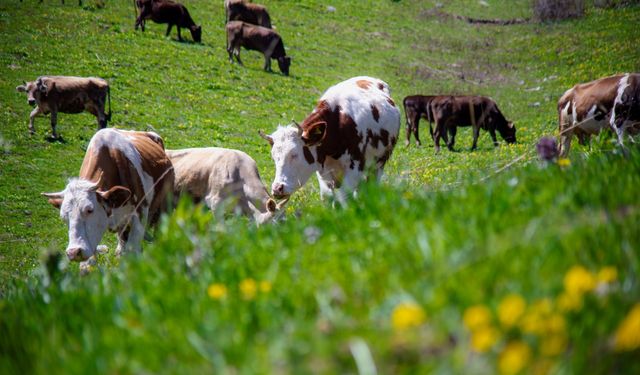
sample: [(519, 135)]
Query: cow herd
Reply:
[(127, 178)]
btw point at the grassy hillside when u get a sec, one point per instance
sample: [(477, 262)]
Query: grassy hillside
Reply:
[(387, 282)]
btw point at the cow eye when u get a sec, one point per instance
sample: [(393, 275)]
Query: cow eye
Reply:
[(294, 156), (88, 210)]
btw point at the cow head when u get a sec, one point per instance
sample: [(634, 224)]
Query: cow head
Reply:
[(293, 157), (86, 210), (196, 33), (32, 89), (508, 132), (283, 63)]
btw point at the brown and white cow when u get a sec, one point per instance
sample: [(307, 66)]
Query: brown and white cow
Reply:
[(172, 13), (257, 38), (415, 108), (610, 102), (53, 94), (480, 112), (227, 180), (124, 183), (240, 10), (352, 131)]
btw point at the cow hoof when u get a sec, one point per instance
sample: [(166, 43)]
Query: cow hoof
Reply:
[(407, 143)]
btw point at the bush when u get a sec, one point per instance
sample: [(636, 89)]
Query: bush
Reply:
[(554, 10)]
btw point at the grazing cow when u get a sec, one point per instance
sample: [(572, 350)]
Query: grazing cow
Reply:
[(240, 10), (352, 131), (610, 102), (224, 179), (257, 38), (166, 11), (416, 107), (124, 182), (480, 112), (67, 95)]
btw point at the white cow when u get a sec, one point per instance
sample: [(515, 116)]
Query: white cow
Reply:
[(352, 130), (224, 179), (124, 182)]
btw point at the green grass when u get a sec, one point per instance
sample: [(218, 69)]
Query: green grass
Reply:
[(445, 231)]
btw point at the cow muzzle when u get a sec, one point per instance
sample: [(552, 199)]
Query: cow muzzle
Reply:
[(76, 254), (277, 190), (32, 102)]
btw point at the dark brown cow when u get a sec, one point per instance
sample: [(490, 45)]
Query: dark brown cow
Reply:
[(53, 94), (166, 11), (610, 102), (257, 38), (480, 112), (240, 10), (416, 107)]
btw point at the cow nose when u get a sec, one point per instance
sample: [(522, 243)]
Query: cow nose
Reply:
[(32, 102), (278, 190), (74, 253)]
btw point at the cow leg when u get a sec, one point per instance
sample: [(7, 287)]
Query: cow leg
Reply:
[(408, 128), (236, 52), (476, 134), (179, 36), (54, 122), (492, 132), (168, 29), (36, 111), (350, 181), (267, 63), (326, 184), (565, 143), (136, 234), (436, 136), (452, 133), (416, 129)]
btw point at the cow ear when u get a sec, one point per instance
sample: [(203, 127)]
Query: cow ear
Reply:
[(271, 205), (22, 88), (314, 133), (115, 197), (510, 125), (266, 137), (55, 199), (42, 86)]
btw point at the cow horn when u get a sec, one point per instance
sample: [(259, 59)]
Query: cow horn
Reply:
[(266, 137), (297, 126), (99, 182), (281, 204)]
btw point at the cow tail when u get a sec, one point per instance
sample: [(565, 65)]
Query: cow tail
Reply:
[(108, 115)]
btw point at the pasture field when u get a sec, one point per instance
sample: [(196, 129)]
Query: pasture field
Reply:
[(462, 262)]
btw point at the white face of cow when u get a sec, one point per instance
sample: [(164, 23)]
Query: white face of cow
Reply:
[(86, 210), (30, 88), (292, 168)]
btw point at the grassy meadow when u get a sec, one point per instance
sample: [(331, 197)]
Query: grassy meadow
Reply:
[(462, 262)]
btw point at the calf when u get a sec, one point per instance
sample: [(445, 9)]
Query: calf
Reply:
[(53, 94), (166, 11), (123, 185), (224, 179), (480, 112), (610, 102), (240, 10), (416, 107), (353, 129), (252, 37)]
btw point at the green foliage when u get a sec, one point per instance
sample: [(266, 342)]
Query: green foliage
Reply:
[(444, 231)]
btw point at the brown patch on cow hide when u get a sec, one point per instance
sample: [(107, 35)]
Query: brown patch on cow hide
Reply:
[(380, 86), (376, 139), (341, 133), (363, 84), (375, 112), (308, 156), (391, 102)]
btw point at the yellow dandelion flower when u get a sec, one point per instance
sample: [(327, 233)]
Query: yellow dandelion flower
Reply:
[(569, 302), (579, 280), (555, 323), (217, 291), (607, 275), (248, 289), (553, 345), (532, 322), (514, 358), (265, 286), (543, 306), (542, 367), (483, 338), (511, 309), (407, 315), (627, 336), (564, 162), (476, 316)]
